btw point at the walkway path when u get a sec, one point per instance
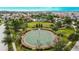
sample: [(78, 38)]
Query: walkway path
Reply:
[(76, 47), (14, 46), (67, 45), (2, 46)]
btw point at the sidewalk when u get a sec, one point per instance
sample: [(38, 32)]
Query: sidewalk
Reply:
[(76, 47), (2, 46)]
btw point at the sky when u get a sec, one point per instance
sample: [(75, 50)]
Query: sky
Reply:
[(36, 3)]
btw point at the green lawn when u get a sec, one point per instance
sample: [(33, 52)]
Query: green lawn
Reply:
[(45, 24), (66, 32)]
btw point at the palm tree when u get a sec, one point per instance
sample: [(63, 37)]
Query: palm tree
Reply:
[(59, 46), (58, 24), (8, 40), (55, 28), (74, 37), (77, 24), (67, 21), (50, 18), (13, 31)]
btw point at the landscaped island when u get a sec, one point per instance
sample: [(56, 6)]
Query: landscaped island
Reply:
[(41, 31)]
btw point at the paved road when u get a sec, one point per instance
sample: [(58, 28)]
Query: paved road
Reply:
[(76, 47), (2, 46)]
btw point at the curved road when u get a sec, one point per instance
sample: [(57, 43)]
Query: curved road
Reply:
[(2, 46)]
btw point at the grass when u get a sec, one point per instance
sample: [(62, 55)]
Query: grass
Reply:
[(66, 32), (70, 46), (45, 24)]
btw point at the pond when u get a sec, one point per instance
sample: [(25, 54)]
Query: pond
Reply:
[(38, 39)]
